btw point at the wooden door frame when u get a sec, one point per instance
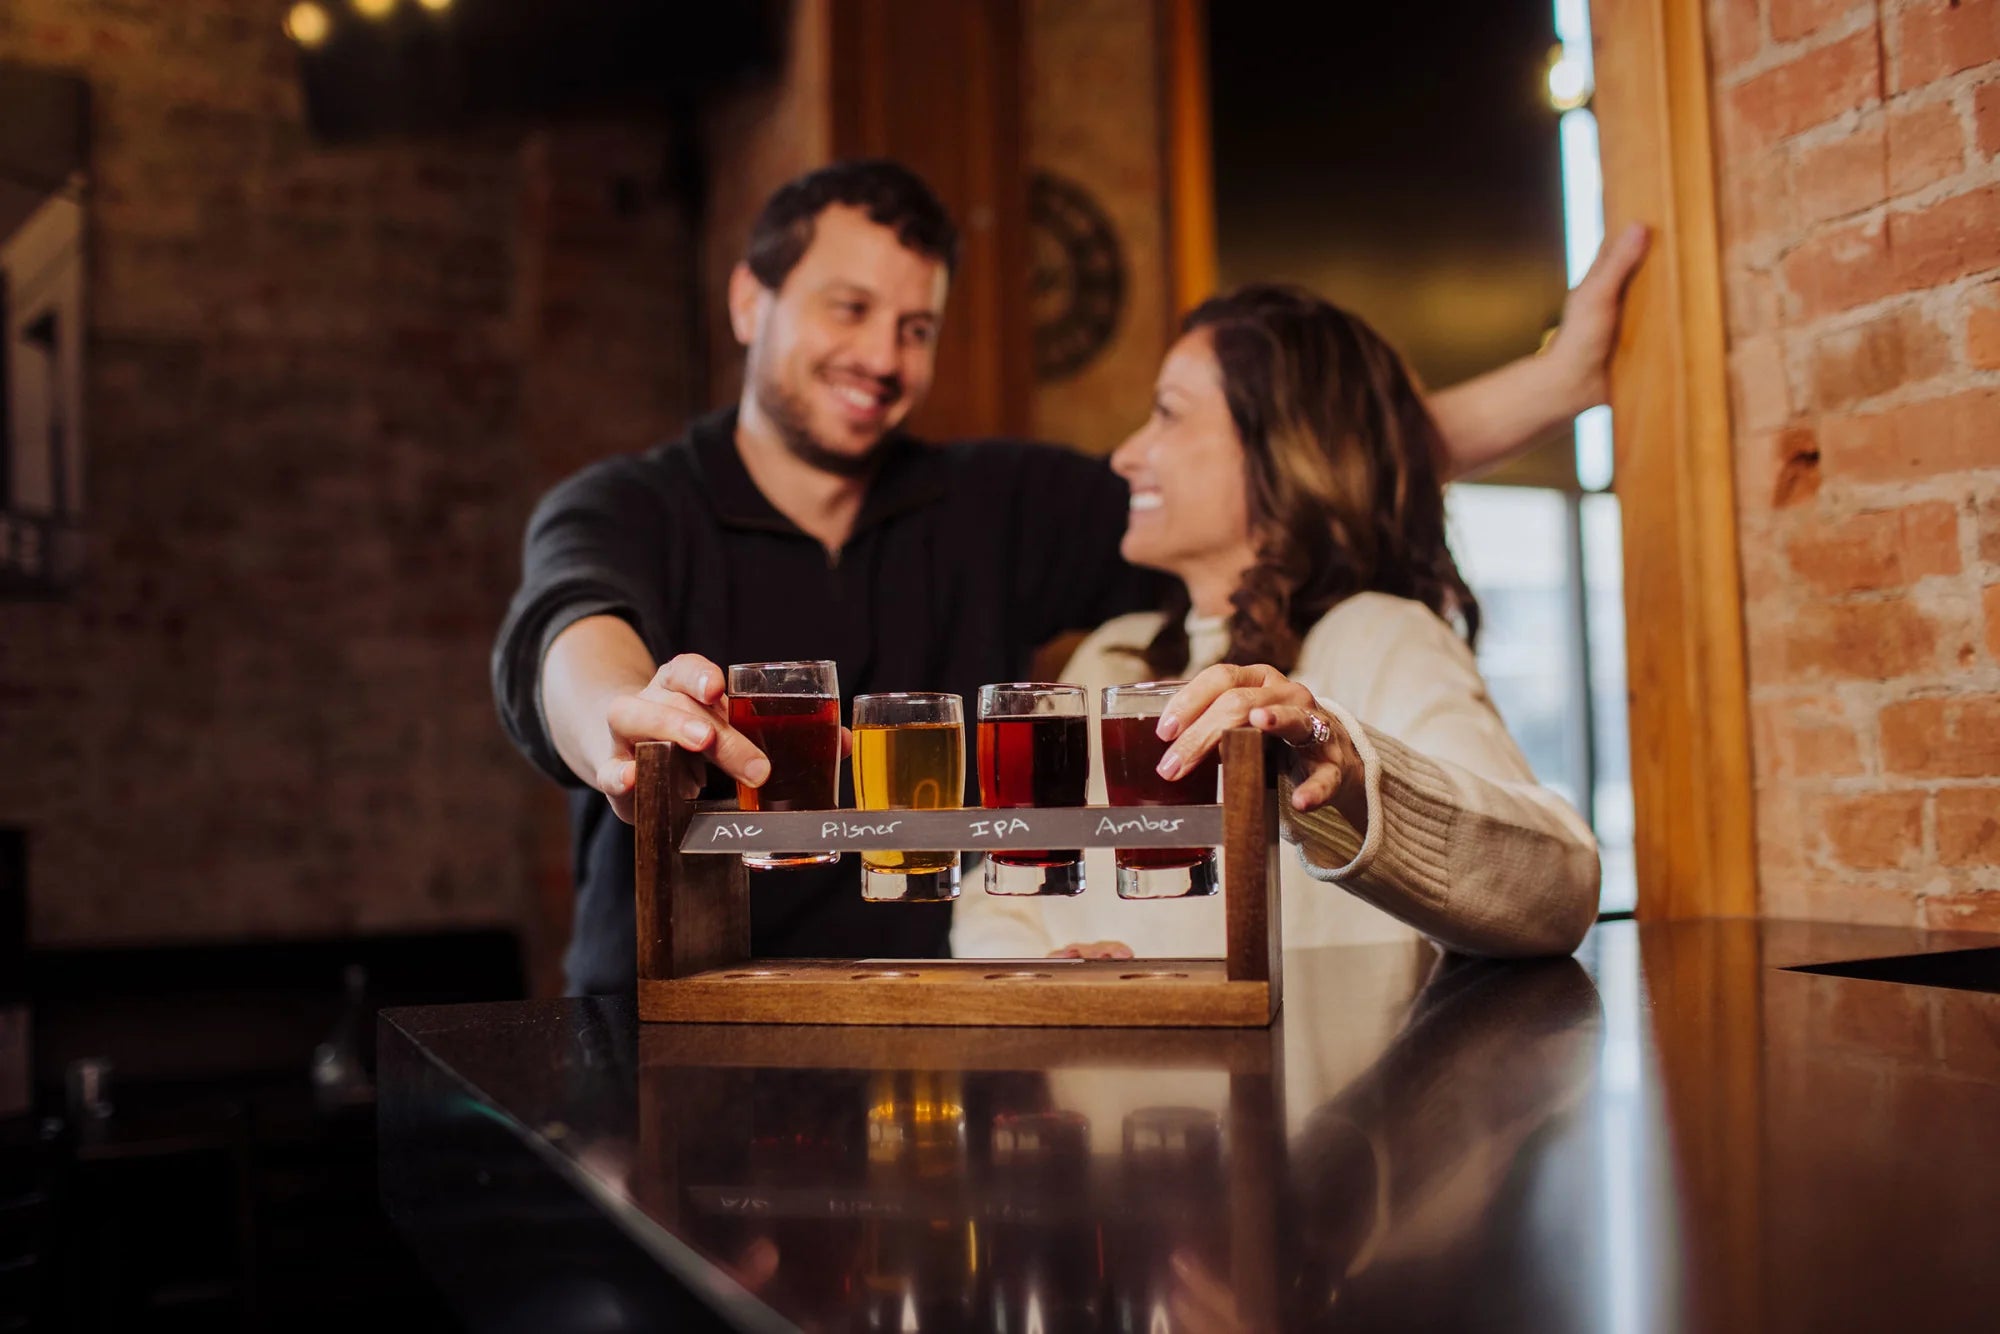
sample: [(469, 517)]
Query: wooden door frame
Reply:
[(1693, 797)]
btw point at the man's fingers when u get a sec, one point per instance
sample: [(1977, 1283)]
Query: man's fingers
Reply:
[(685, 723), (1619, 258), (1287, 722), (637, 718), (846, 743), (692, 675), (617, 778)]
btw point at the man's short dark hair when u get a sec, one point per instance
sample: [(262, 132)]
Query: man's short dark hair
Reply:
[(890, 193)]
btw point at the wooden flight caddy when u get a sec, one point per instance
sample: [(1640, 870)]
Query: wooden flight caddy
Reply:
[(693, 908)]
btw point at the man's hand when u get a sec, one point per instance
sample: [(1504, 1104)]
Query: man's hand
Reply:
[(684, 704), (1588, 334)]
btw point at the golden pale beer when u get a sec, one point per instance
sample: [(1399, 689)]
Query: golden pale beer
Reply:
[(909, 767)]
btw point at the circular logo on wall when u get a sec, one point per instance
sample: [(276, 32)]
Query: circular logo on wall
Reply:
[(1079, 276)]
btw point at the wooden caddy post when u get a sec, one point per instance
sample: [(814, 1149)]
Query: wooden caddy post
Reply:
[(693, 906)]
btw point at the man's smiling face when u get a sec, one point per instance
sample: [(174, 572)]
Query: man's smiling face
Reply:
[(845, 349)]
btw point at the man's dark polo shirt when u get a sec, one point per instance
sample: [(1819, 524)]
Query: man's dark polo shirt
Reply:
[(964, 559)]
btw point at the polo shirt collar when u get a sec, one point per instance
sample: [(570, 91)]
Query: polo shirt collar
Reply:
[(911, 475)]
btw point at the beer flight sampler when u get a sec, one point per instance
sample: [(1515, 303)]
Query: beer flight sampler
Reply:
[(910, 827)]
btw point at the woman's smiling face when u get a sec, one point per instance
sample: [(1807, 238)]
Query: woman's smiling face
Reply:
[(1190, 505)]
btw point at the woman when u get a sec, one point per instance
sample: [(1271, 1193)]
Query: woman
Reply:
[(1288, 476)]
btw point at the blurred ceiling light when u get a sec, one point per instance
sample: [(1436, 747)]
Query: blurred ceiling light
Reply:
[(1569, 81), (307, 24), (373, 9), (435, 6)]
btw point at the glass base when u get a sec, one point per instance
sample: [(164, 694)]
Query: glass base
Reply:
[(1064, 881), (909, 886), (759, 862), (1169, 882)]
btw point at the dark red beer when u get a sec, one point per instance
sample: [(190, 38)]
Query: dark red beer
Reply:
[(1132, 752), (1040, 760), (800, 735)]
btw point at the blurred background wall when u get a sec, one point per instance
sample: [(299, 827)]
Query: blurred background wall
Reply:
[(327, 377)]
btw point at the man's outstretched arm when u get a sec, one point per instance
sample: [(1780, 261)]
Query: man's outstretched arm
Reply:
[(1493, 416)]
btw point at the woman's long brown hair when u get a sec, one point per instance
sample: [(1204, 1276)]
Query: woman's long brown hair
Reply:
[(1342, 460)]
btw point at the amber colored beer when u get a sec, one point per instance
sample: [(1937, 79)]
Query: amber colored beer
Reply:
[(909, 767)]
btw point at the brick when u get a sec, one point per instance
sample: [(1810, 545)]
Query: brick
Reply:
[(1986, 118), (1989, 599), (1934, 38), (1841, 176), (1796, 467), (1947, 240), (1968, 826), (1815, 87), (1808, 740), (1881, 831), (1926, 145), (1939, 435), (1763, 400), (1866, 641), (1982, 327), (1888, 352), (1968, 910), (1840, 268), (1879, 549), (1757, 200), (1989, 528), (1957, 737), (1793, 19), (1734, 33), (1754, 301)]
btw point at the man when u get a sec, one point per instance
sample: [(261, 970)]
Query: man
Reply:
[(803, 524)]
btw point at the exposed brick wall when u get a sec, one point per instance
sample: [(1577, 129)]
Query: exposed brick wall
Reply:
[(1860, 197), (323, 388)]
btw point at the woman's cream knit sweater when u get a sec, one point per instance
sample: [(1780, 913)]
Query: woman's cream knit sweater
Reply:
[(1462, 844)]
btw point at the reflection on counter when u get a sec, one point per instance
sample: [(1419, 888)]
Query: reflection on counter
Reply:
[(1085, 1180)]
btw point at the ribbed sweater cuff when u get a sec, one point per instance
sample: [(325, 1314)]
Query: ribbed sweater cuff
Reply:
[(1410, 813)]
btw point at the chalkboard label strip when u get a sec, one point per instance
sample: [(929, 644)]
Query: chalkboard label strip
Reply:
[(971, 830)]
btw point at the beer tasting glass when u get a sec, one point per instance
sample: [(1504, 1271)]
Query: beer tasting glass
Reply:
[(1034, 750), (909, 755), (791, 712), (1132, 751)]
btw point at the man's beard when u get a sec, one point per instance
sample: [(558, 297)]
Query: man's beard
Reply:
[(784, 411)]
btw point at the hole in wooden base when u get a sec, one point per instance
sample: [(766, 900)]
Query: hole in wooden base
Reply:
[(1135, 977), (1016, 977), (759, 972), (886, 972)]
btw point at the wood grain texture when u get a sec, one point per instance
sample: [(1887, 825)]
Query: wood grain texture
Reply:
[(956, 1048), (1691, 775), (1126, 993), (691, 913), (939, 87), (1189, 154), (1252, 950)]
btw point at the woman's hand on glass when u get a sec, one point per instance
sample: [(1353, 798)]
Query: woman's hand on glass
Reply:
[(1326, 767)]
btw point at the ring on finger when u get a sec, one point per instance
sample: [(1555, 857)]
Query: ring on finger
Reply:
[(1322, 731)]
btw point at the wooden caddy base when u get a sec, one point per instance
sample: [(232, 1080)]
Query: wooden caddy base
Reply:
[(1126, 993), (695, 965)]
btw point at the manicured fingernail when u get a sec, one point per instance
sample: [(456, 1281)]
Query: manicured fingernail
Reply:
[(757, 771), (628, 776), (706, 684), (1169, 727), (699, 735), (1169, 767), (1260, 717)]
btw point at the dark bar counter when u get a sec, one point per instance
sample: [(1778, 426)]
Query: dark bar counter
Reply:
[(1678, 1129)]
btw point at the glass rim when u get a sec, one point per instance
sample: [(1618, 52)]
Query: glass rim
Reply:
[(910, 695), (788, 662), (1145, 688)]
